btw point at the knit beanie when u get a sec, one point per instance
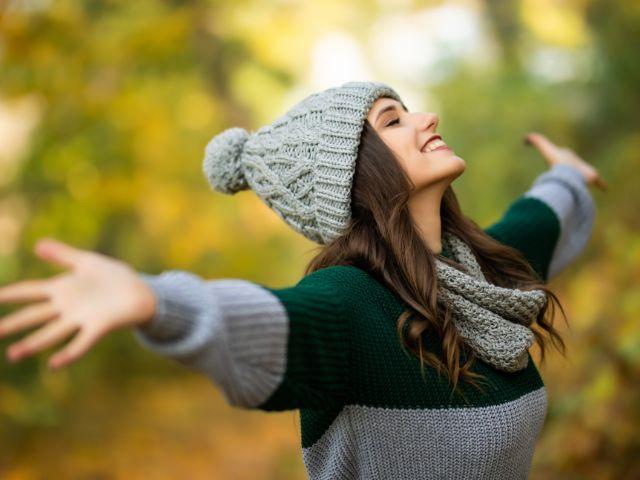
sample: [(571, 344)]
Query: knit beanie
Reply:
[(302, 164)]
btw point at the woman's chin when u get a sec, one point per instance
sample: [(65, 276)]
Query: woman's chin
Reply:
[(457, 166), (449, 156), (445, 154)]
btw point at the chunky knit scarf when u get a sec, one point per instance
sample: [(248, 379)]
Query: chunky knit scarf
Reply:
[(494, 321)]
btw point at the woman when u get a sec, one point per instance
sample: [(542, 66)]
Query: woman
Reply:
[(405, 345)]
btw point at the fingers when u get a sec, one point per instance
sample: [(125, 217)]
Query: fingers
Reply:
[(76, 348), (23, 291), (545, 146), (50, 334), (600, 183), (27, 317), (57, 252)]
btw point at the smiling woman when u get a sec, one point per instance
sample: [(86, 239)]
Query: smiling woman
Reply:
[(405, 288), (430, 165)]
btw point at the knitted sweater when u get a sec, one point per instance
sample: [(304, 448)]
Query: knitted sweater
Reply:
[(328, 347)]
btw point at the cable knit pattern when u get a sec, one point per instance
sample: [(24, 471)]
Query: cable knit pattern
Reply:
[(302, 164)]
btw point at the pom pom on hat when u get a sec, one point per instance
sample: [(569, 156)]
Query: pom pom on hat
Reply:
[(223, 161)]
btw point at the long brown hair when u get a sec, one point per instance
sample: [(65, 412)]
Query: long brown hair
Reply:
[(383, 240)]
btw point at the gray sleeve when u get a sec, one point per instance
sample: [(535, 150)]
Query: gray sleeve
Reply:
[(232, 330), (565, 191)]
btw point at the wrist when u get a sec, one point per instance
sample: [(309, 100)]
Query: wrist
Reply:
[(146, 306)]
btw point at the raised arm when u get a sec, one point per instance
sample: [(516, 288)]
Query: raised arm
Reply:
[(551, 222), (265, 348)]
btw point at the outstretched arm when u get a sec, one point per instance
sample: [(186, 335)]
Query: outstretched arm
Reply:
[(267, 348), (551, 222), (271, 349)]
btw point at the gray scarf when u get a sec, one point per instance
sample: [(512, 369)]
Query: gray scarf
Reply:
[(494, 321)]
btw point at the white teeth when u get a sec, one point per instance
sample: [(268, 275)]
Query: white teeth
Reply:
[(434, 144)]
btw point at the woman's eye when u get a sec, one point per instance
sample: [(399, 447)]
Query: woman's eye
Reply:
[(397, 120)]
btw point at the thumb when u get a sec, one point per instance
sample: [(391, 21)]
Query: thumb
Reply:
[(56, 252)]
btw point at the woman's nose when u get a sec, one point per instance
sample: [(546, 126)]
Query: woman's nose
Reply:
[(429, 120)]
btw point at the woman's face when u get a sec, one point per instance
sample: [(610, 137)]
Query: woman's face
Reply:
[(406, 133)]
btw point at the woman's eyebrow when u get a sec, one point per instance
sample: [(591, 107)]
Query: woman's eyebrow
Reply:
[(391, 106)]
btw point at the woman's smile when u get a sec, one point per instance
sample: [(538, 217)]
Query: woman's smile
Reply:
[(437, 144), (444, 146)]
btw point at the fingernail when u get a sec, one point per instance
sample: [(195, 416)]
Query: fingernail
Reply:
[(526, 140)]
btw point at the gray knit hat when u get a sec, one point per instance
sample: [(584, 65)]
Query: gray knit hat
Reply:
[(302, 164)]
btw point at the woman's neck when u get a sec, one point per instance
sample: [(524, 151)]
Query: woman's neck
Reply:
[(424, 208)]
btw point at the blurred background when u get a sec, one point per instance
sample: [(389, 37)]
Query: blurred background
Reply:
[(105, 109)]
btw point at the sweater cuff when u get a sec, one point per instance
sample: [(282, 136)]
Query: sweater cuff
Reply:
[(174, 328), (567, 173), (232, 330)]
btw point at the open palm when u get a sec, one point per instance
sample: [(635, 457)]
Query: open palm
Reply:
[(99, 294)]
